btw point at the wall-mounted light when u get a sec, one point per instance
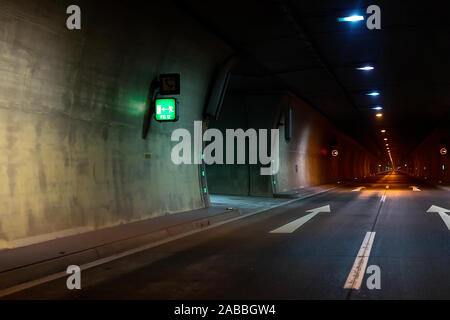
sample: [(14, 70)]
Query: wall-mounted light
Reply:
[(379, 115)]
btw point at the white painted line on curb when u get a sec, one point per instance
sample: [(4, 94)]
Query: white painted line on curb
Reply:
[(358, 270)]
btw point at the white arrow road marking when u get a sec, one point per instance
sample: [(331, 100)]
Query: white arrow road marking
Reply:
[(443, 213), (383, 198), (358, 189), (358, 270), (294, 225), (416, 189)]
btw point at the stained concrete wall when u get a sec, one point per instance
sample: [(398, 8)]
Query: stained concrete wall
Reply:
[(426, 161), (71, 112), (305, 160)]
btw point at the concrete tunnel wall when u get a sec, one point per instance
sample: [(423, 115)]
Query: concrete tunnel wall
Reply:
[(426, 161), (71, 113), (304, 161)]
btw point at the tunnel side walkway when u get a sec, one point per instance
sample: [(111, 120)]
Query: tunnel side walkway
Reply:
[(249, 204), (32, 262)]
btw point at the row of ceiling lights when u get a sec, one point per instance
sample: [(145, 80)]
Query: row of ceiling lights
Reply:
[(375, 93), (379, 114)]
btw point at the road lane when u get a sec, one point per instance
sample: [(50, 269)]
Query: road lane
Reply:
[(412, 247), (243, 260)]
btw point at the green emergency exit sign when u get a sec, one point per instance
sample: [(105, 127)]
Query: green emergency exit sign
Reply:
[(166, 109)]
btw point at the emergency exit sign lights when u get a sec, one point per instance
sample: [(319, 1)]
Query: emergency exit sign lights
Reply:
[(166, 109)]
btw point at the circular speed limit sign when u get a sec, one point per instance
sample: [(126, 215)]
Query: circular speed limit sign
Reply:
[(334, 153), (444, 151)]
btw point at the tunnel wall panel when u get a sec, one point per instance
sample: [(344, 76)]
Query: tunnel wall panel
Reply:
[(71, 113), (304, 161), (426, 161)]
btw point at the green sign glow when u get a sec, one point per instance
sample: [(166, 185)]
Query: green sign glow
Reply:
[(166, 109)]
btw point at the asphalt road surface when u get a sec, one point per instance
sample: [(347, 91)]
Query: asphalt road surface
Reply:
[(381, 234)]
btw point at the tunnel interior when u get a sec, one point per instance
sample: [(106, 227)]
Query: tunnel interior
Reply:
[(72, 104)]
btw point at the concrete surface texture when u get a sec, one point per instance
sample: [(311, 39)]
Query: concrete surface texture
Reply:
[(305, 160), (71, 112), (245, 260)]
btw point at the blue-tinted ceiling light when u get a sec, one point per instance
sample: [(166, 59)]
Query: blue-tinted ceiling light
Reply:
[(353, 18), (377, 108), (365, 68), (373, 93)]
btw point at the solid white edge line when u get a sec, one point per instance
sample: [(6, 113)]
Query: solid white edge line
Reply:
[(59, 275)]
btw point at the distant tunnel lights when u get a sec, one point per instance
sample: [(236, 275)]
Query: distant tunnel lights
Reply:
[(373, 94), (377, 108), (383, 131), (379, 115), (353, 18)]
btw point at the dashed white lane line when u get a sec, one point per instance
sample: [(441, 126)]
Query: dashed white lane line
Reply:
[(358, 270), (383, 198)]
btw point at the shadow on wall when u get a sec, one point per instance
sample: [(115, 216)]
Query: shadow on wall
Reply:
[(305, 160)]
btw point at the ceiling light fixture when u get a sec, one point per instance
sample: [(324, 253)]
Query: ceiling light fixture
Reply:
[(352, 18)]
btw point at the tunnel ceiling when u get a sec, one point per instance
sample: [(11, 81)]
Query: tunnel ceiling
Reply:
[(300, 46)]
